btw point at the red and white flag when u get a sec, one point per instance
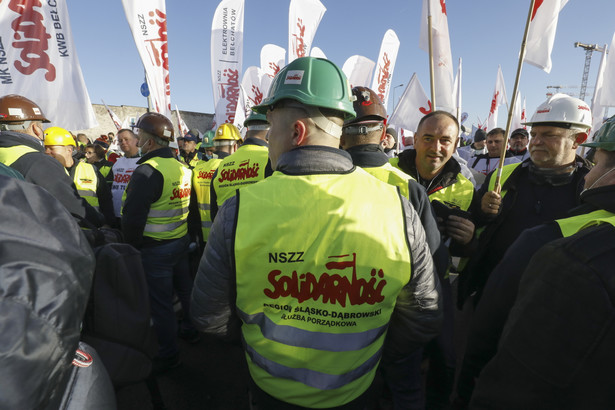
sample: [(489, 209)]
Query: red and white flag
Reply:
[(272, 60), (443, 60), (358, 70), (226, 58), (607, 88), (303, 19), (38, 60), (147, 20), (541, 34), (252, 93), (114, 118), (413, 105), (181, 125), (499, 98), (518, 112), (381, 83)]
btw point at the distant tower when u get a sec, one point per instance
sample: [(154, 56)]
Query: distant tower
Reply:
[(589, 49)]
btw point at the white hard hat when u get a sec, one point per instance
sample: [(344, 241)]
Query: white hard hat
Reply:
[(563, 111)]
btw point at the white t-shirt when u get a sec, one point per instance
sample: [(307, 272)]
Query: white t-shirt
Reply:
[(122, 171)]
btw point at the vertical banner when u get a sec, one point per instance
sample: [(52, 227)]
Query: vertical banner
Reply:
[(607, 93), (598, 110), (457, 91), (114, 118), (517, 114), (381, 83), (541, 34), (38, 60), (272, 60), (499, 98), (181, 125), (443, 60), (413, 105), (252, 93), (226, 58), (317, 52), (147, 20), (358, 70), (303, 19)]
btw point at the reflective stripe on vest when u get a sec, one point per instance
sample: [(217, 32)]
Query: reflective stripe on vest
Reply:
[(8, 155), (85, 179), (201, 181), (244, 167), (458, 195), (392, 176), (167, 216), (317, 282), (574, 224)]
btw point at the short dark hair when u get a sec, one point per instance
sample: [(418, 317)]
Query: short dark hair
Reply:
[(98, 150), (610, 158), (496, 131), (131, 132), (438, 113)]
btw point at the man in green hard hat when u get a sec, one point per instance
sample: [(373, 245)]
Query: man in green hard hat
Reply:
[(300, 266)]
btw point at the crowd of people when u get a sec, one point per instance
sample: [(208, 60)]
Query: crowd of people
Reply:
[(331, 257)]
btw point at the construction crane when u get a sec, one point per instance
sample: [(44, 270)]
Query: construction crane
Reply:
[(558, 88), (589, 49)]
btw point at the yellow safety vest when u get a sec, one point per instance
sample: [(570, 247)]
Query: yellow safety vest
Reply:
[(9, 155), (201, 182), (167, 217), (574, 224), (244, 167), (86, 181), (506, 171), (317, 282), (392, 176)]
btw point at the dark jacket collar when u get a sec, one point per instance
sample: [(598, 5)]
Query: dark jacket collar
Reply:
[(446, 177), (160, 152), (12, 138), (368, 155), (315, 159), (255, 141)]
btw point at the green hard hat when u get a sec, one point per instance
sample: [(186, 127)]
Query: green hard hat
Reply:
[(255, 117), (208, 139), (311, 81), (604, 138)]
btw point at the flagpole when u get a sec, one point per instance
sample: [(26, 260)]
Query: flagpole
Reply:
[(431, 68), (498, 188)]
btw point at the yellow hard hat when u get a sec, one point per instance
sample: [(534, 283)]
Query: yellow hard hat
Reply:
[(58, 136), (227, 132)]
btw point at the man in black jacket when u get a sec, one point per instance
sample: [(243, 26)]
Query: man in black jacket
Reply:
[(597, 204)]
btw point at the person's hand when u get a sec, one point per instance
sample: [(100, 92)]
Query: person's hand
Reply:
[(460, 229), (491, 202)]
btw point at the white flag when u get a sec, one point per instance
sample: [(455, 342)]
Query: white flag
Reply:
[(147, 20), (599, 110), (317, 52), (413, 105), (499, 98), (517, 114), (457, 91), (226, 58), (38, 60), (181, 125), (303, 19), (607, 93), (252, 93), (541, 34), (114, 118), (381, 83), (443, 60), (358, 70)]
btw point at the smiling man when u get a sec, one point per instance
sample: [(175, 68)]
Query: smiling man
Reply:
[(535, 191)]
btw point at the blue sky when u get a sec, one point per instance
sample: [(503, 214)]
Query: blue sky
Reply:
[(485, 33)]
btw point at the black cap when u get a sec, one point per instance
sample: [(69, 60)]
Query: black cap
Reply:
[(521, 131), (480, 135), (393, 133)]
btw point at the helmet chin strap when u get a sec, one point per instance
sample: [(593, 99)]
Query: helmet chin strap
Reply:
[(323, 122)]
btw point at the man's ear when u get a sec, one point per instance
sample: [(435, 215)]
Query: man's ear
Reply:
[(37, 130), (300, 131), (580, 139), (384, 134)]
